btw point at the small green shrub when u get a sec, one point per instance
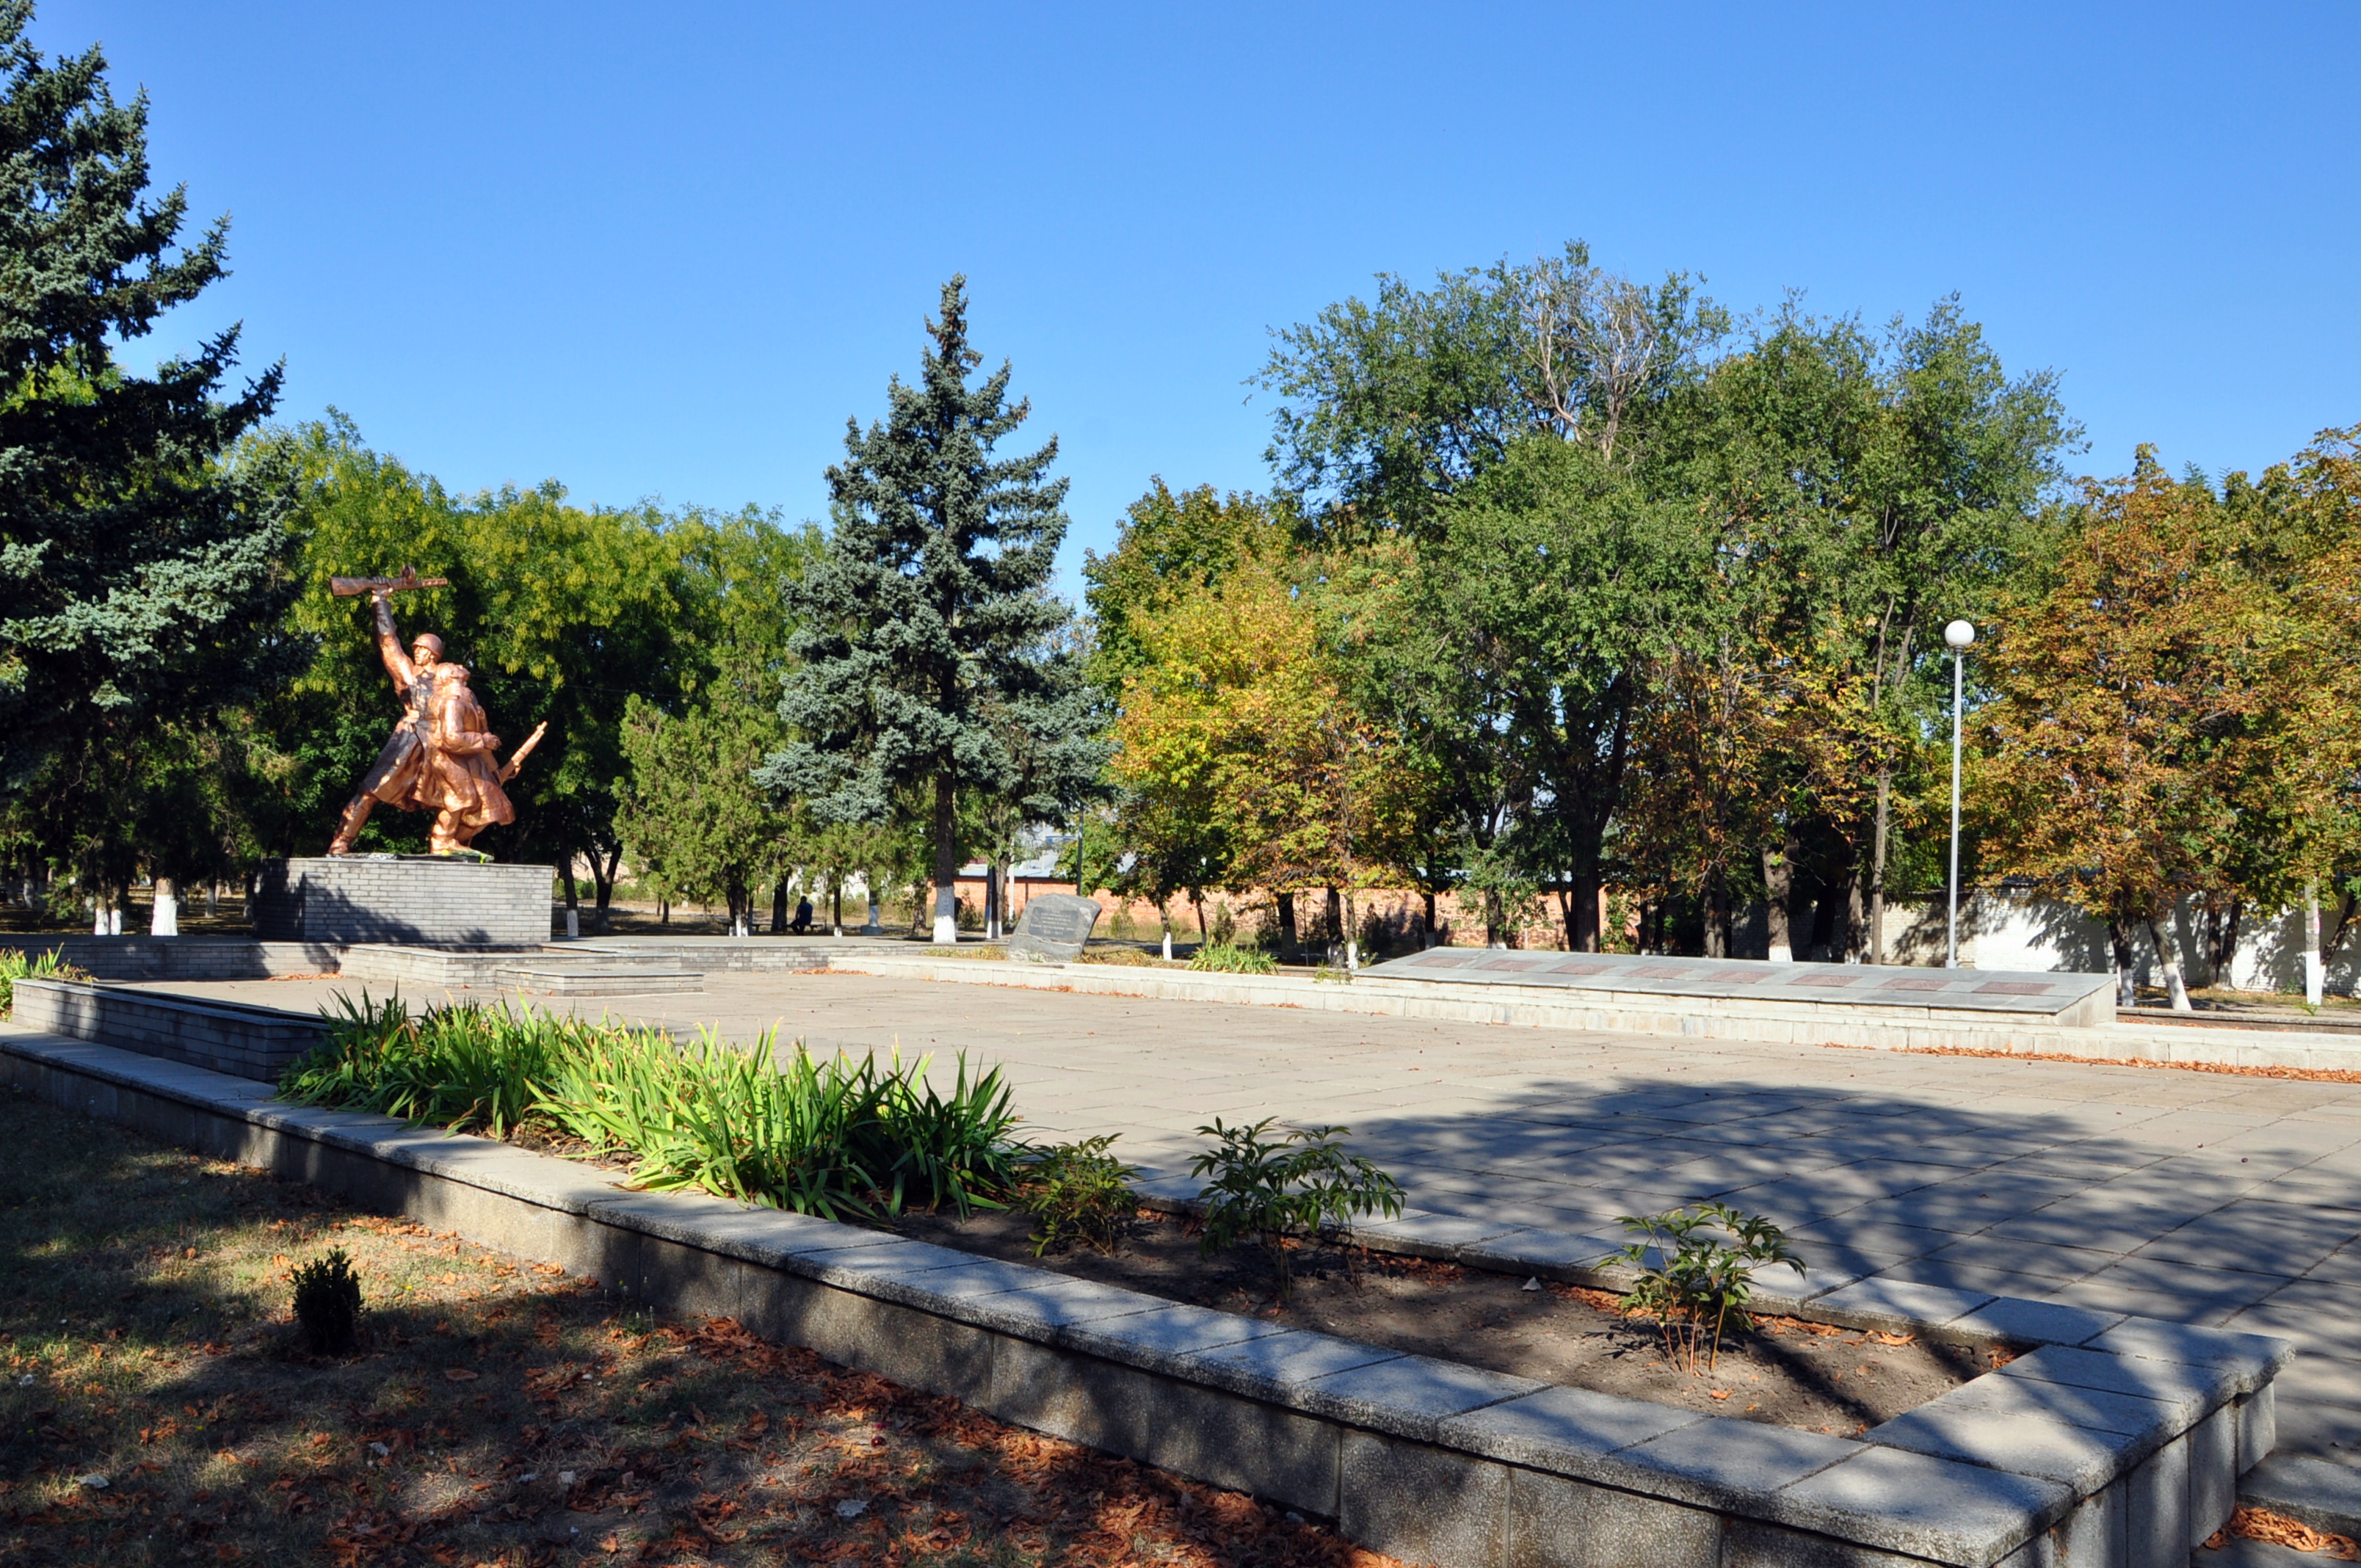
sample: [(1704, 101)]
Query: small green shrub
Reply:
[(328, 1302), (1697, 1270), (15, 966), (1270, 1188), (1077, 1192), (1221, 959)]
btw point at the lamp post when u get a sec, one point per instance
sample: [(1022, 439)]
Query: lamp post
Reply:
[(1957, 635)]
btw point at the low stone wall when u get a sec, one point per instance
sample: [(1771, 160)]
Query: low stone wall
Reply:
[(402, 898), (2116, 1442), (255, 1043), (182, 958), (1867, 1026)]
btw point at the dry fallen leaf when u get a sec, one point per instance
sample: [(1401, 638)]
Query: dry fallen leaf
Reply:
[(460, 1375), (1719, 1393)]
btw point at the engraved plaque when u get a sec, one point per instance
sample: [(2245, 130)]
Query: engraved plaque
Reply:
[(1053, 928)]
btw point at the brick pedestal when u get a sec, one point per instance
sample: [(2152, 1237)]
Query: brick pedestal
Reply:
[(403, 898)]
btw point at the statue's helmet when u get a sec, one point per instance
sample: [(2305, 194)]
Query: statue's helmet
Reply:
[(428, 641)]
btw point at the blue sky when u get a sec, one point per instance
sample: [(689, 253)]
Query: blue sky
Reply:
[(666, 251)]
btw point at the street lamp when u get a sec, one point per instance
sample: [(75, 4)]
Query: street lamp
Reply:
[(1958, 634)]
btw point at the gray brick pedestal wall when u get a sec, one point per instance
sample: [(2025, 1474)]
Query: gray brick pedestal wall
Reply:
[(403, 898)]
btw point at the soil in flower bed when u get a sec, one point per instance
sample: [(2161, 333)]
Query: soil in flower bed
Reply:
[(1788, 1373), (155, 1407)]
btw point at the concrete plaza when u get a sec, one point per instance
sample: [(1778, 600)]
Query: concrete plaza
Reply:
[(2207, 1198)]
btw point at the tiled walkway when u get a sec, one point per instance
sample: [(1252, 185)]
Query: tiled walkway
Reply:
[(2208, 1198)]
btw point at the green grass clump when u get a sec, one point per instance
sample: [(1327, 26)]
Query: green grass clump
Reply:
[(458, 1068), (839, 1137), (1222, 959), (15, 966)]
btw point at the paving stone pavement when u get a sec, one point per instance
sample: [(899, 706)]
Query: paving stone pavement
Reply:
[(2200, 1197)]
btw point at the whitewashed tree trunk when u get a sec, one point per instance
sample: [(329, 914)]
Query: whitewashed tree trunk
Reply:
[(2165, 931), (2314, 969), (1168, 944), (165, 919)]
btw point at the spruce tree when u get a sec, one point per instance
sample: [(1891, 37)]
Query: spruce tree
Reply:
[(929, 621), (139, 580)]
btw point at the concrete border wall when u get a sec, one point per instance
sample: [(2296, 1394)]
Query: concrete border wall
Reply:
[(2120, 1450), (256, 1043), (1869, 1027), (182, 958)]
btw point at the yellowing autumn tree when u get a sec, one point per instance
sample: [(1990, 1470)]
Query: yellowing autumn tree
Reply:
[(1244, 762), (2155, 718)]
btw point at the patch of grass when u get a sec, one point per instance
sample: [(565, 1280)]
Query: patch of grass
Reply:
[(497, 1412), (1222, 959), (838, 1137)]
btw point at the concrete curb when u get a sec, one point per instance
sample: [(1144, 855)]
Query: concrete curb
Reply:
[(2121, 1450), (1867, 1027)]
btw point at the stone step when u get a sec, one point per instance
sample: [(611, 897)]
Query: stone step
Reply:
[(2317, 1491)]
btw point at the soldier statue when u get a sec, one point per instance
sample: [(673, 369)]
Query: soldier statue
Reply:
[(439, 757)]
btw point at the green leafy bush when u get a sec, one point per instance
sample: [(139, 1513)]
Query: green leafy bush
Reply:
[(1270, 1188), (840, 1137), (1221, 959), (328, 1302), (15, 966), (1697, 1270), (1077, 1192)]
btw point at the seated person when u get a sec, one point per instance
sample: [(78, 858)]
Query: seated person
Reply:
[(803, 916)]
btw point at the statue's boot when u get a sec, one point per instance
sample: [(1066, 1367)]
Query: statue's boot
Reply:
[(349, 825)]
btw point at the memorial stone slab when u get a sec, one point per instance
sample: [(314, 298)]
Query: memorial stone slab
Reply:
[(1053, 928)]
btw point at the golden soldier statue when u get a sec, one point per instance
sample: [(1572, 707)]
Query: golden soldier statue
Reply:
[(439, 757)]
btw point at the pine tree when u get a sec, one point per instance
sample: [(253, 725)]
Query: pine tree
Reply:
[(929, 621), (139, 580)]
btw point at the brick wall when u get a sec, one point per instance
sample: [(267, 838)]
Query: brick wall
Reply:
[(361, 898)]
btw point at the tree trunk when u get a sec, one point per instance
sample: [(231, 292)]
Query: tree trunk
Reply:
[(2221, 931), (836, 909), (602, 883), (946, 862), (572, 901), (164, 920), (1584, 937), (1289, 947), (1856, 921), (1717, 915), (1778, 892), (1877, 870), (1335, 918), (1426, 933), (2119, 936), (1352, 932), (2164, 931), (992, 901), (2314, 960)]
